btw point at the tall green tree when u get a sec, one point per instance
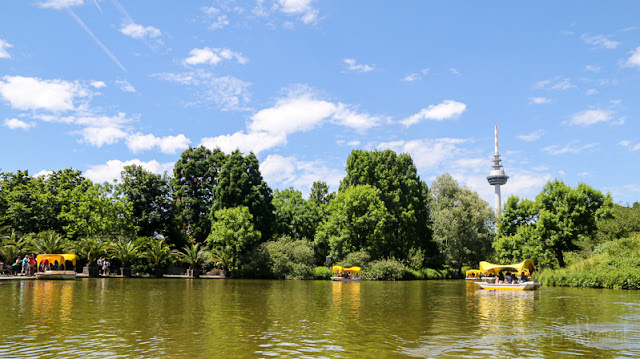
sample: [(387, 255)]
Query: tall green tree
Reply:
[(21, 204), (566, 218), (357, 221), (150, 198), (404, 194), (233, 236), (319, 193), (240, 183), (462, 222), (295, 217), (195, 177)]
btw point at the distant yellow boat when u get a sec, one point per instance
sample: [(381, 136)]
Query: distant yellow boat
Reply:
[(345, 274), (473, 274), (525, 267)]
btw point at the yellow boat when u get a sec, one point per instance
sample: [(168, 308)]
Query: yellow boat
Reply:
[(61, 260), (525, 267), (345, 274), (473, 274)]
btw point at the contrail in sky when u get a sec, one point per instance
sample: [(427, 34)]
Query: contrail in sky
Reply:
[(98, 6), (104, 48)]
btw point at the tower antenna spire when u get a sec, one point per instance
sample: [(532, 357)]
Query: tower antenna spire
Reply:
[(497, 177)]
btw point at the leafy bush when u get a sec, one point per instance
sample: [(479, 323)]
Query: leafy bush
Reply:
[(613, 264), (356, 259), (289, 259), (384, 269), (321, 273)]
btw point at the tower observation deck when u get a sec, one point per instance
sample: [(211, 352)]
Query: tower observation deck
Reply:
[(497, 177)]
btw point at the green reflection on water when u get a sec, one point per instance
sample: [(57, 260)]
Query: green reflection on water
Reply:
[(150, 318)]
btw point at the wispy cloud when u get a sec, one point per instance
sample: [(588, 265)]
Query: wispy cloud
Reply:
[(226, 92), (213, 56), (14, 123), (600, 41), (111, 169), (4, 45), (32, 93), (304, 8), (352, 65), (634, 59), (532, 136), (629, 145), (446, 110), (539, 100), (573, 147), (125, 86), (416, 76), (592, 117), (592, 68), (59, 4), (140, 32), (557, 83)]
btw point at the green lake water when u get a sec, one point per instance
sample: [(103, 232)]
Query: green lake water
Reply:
[(176, 318)]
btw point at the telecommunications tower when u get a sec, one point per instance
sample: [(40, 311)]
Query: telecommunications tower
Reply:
[(497, 176)]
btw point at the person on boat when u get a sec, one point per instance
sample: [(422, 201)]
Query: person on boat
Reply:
[(56, 266), (501, 277), (508, 278), (523, 278)]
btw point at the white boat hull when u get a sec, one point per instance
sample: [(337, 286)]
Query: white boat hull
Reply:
[(507, 286), (342, 279), (56, 274)]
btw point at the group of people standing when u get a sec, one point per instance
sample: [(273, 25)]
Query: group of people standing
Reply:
[(24, 266), (104, 266)]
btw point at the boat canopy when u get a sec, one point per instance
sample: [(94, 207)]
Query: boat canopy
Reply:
[(525, 267), (473, 273), (341, 269), (52, 258)]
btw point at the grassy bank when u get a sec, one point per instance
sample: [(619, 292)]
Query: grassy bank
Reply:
[(614, 264)]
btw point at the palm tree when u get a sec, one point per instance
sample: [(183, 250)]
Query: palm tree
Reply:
[(48, 242), (157, 253), (127, 252), (193, 256), (90, 249), (12, 247)]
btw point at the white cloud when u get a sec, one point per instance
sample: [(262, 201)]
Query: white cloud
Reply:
[(411, 77), (300, 7), (629, 145), (4, 45), (255, 142), (169, 144), (572, 147), (99, 136), (591, 92), (59, 4), (600, 41), (634, 59), (227, 92), (211, 56), (139, 32), (448, 109), (14, 123), (592, 68), (533, 136), (454, 71), (111, 170), (557, 83), (43, 173), (428, 154), (284, 172), (352, 65), (592, 117), (31, 93), (98, 84), (539, 100), (218, 20), (299, 112), (125, 86)]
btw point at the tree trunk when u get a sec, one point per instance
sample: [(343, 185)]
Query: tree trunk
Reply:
[(195, 273), (126, 272)]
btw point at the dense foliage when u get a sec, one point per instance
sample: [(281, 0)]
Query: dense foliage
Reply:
[(216, 210)]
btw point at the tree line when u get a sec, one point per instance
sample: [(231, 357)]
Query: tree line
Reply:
[(216, 208)]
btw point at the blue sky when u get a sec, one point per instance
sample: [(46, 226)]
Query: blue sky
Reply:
[(99, 84)]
